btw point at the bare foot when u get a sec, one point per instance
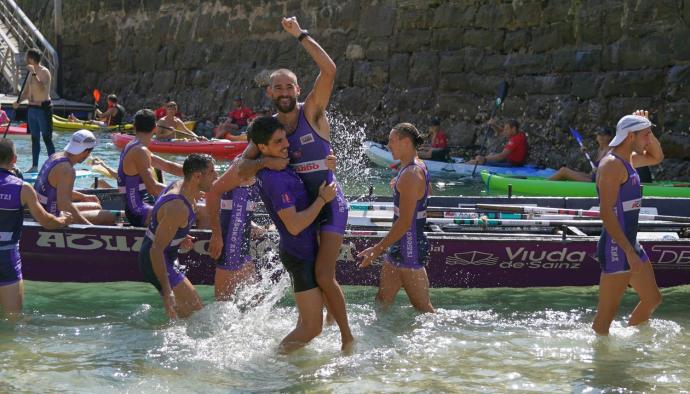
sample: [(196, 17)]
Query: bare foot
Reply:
[(348, 345)]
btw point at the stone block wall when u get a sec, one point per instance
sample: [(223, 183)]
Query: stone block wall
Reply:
[(579, 63)]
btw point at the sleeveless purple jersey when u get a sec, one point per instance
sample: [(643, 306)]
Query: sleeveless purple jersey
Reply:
[(47, 194)]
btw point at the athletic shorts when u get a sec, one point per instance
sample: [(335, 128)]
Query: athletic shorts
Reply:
[(10, 265), (301, 272), (333, 216), (395, 258), (612, 259), (137, 218), (146, 267)]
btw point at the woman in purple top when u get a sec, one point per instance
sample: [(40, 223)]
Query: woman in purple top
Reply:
[(408, 248), (290, 207), (622, 259)]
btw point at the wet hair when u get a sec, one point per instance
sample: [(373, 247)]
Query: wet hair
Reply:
[(513, 123), (6, 151), (34, 54), (603, 130), (144, 121), (262, 128), (282, 71), (408, 130), (112, 98), (196, 163)]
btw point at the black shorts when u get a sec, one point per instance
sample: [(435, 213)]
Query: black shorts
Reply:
[(301, 272)]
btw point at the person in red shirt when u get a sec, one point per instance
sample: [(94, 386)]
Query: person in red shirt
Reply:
[(438, 150), (237, 121), (514, 152)]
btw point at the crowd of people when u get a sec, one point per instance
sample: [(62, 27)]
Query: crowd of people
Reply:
[(288, 165)]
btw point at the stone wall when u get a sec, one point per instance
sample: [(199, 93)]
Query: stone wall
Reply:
[(576, 63)]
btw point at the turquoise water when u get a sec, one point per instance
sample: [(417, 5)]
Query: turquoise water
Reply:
[(115, 338)]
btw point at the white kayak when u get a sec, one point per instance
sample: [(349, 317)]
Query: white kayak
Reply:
[(381, 156)]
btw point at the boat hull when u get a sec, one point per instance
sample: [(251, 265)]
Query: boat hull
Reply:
[(225, 150)]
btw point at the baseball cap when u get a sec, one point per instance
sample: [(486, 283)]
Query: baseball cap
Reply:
[(81, 141), (629, 124)]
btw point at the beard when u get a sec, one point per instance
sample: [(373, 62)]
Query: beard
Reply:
[(285, 108)]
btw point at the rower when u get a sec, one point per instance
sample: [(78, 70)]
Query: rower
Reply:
[(408, 247), (604, 137), (172, 217), (623, 260), (236, 199), (114, 115), (14, 196), (309, 136), (134, 171), (169, 124), (55, 183), (288, 204), (514, 153)]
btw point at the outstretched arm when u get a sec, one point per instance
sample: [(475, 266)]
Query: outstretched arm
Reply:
[(45, 219)]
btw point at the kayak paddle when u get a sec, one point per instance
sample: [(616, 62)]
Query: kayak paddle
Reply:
[(578, 138), (500, 98)]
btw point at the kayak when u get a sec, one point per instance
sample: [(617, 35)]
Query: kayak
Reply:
[(381, 156), (532, 186), (220, 149), (15, 132), (65, 125)]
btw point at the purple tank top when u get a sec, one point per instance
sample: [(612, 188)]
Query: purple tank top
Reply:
[(628, 203), (408, 245), (47, 194), (171, 250), (11, 209), (131, 185), (308, 153)]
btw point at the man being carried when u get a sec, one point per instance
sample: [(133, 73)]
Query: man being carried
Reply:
[(308, 133), (55, 183), (40, 113), (515, 151), (172, 218), (14, 196), (134, 177), (293, 212)]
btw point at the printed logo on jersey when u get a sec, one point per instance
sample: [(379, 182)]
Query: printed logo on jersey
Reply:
[(306, 139), (296, 154), (286, 198)]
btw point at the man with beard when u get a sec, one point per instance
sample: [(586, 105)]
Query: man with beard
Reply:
[(308, 133)]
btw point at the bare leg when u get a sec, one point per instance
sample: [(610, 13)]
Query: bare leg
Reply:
[(187, 299), (326, 259), (87, 206), (416, 284), (309, 323), (100, 217), (389, 284), (611, 290), (12, 299), (644, 284), (566, 174), (227, 281)]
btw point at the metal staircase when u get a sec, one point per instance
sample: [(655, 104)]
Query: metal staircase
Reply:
[(17, 34)]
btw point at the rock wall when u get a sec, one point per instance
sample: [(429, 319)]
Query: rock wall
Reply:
[(576, 63)]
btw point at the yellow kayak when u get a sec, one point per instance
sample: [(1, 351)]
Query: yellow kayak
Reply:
[(65, 125)]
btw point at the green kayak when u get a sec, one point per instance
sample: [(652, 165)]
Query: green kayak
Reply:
[(531, 186)]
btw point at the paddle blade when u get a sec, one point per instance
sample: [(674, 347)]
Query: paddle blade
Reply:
[(97, 95), (576, 135), (501, 94)]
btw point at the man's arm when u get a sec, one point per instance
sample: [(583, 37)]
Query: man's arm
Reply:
[(295, 221), (166, 165), (171, 217), (45, 219), (63, 175), (611, 174), (142, 163), (228, 181), (411, 187), (249, 163)]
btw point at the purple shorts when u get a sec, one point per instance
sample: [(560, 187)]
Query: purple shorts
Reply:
[(146, 266), (612, 259), (10, 265), (333, 217)]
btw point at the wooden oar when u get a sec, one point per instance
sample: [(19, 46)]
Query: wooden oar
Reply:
[(574, 212)]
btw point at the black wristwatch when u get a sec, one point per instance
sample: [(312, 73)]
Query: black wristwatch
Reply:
[(305, 33)]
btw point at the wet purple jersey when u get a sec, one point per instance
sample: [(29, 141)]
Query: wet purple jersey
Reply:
[(308, 152), (284, 189), (11, 223), (47, 194), (412, 250), (627, 210), (236, 213), (138, 201)]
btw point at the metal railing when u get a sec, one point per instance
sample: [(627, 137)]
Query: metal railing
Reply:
[(17, 34)]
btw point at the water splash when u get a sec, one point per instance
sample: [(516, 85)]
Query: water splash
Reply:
[(347, 138)]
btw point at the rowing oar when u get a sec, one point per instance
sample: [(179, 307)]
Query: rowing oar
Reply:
[(178, 131), (574, 212), (578, 138), (19, 97), (500, 97)]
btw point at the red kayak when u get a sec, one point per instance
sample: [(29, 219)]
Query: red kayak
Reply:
[(15, 131), (220, 149)]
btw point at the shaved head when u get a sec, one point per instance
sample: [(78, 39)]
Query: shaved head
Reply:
[(283, 72)]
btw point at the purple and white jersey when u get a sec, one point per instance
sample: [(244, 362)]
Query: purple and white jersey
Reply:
[(284, 189), (412, 250), (11, 209), (47, 194), (627, 211), (132, 186), (236, 213)]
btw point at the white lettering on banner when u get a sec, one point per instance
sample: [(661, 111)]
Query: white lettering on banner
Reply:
[(118, 243), (671, 255), (555, 256), (46, 240)]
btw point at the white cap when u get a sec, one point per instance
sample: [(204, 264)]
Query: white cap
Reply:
[(629, 124), (81, 141)]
